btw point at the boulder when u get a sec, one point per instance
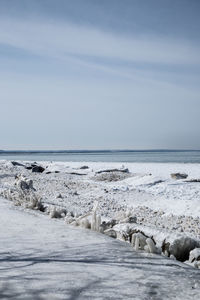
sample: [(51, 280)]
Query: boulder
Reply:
[(38, 169), (179, 176), (113, 170), (15, 163), (111, 233), (84, 167), (107, 225)]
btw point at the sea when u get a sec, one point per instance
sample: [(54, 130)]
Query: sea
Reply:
[(145, 156)]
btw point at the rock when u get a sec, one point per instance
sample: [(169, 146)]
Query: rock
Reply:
[(84, 167), (111, 176), (38, 169), (179, 176), (31, 166), (85, 223), (75, 193), (180, 247), (59, 195), (107, 225), (194, 255), (56, 212), (76, 173), (15, 163), (193, 180), (24, 183), (111, 233), (132, 219), (113, 170)]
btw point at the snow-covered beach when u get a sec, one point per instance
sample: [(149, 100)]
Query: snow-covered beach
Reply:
[(141, 197)]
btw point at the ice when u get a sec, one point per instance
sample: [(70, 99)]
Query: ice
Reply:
[(148, 201), (44, 258)]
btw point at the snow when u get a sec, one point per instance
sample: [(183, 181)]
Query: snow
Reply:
[(58, 261), (44, 258), (173, 196)]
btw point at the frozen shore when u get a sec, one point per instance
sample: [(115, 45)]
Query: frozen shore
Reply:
[(164, 208)]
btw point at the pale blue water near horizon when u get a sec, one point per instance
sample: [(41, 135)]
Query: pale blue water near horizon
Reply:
[(147, 156)]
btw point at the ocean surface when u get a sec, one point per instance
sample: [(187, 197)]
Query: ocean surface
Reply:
[(159, 156)]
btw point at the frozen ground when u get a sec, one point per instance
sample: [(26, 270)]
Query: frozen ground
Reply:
[(48, 257), (42, 258), (156, 198)]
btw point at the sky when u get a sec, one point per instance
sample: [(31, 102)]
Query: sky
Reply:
[(91, 74)]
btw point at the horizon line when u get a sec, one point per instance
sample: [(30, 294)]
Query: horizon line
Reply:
[(96, 150)]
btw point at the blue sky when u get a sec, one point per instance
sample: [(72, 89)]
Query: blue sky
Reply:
[(100, 74)]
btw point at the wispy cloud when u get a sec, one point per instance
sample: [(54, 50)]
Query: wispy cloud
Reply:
[(96, 84), (64, 39)]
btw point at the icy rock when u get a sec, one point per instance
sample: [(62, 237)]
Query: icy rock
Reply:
[(84, 167), (85, 223), (15, 163), (23, 183), (129, 220), (69, 219), (123, 170), (111, 233), (55, 212), (38, 169), (181, 247), (111, 175), (107, 225), (179, 175), (59, 196), (194, 255)]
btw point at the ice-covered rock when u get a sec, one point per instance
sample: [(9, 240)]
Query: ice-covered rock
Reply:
[(23, 183), (179, 175), (111, 233), (107, 225), (38, 169), (194, 255), (56, 212), (180, 247)]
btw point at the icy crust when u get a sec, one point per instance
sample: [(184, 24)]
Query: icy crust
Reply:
[(170, 244), (140, 204)]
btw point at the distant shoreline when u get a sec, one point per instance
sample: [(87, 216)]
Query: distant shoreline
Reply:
[(94, 151)]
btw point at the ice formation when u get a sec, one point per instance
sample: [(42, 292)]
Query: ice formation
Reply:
[(103, 207)]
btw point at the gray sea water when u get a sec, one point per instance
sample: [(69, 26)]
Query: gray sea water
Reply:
[(159, 156)]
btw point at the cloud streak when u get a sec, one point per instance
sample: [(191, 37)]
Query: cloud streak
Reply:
[(61, 40), (100, 88)]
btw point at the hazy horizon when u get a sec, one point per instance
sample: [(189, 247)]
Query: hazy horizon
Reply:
[(99, 74), (99, 150)]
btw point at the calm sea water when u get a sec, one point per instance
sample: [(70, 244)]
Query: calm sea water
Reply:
[(161, 156)]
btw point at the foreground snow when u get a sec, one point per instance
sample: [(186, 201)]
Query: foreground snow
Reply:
[(41, 258)]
